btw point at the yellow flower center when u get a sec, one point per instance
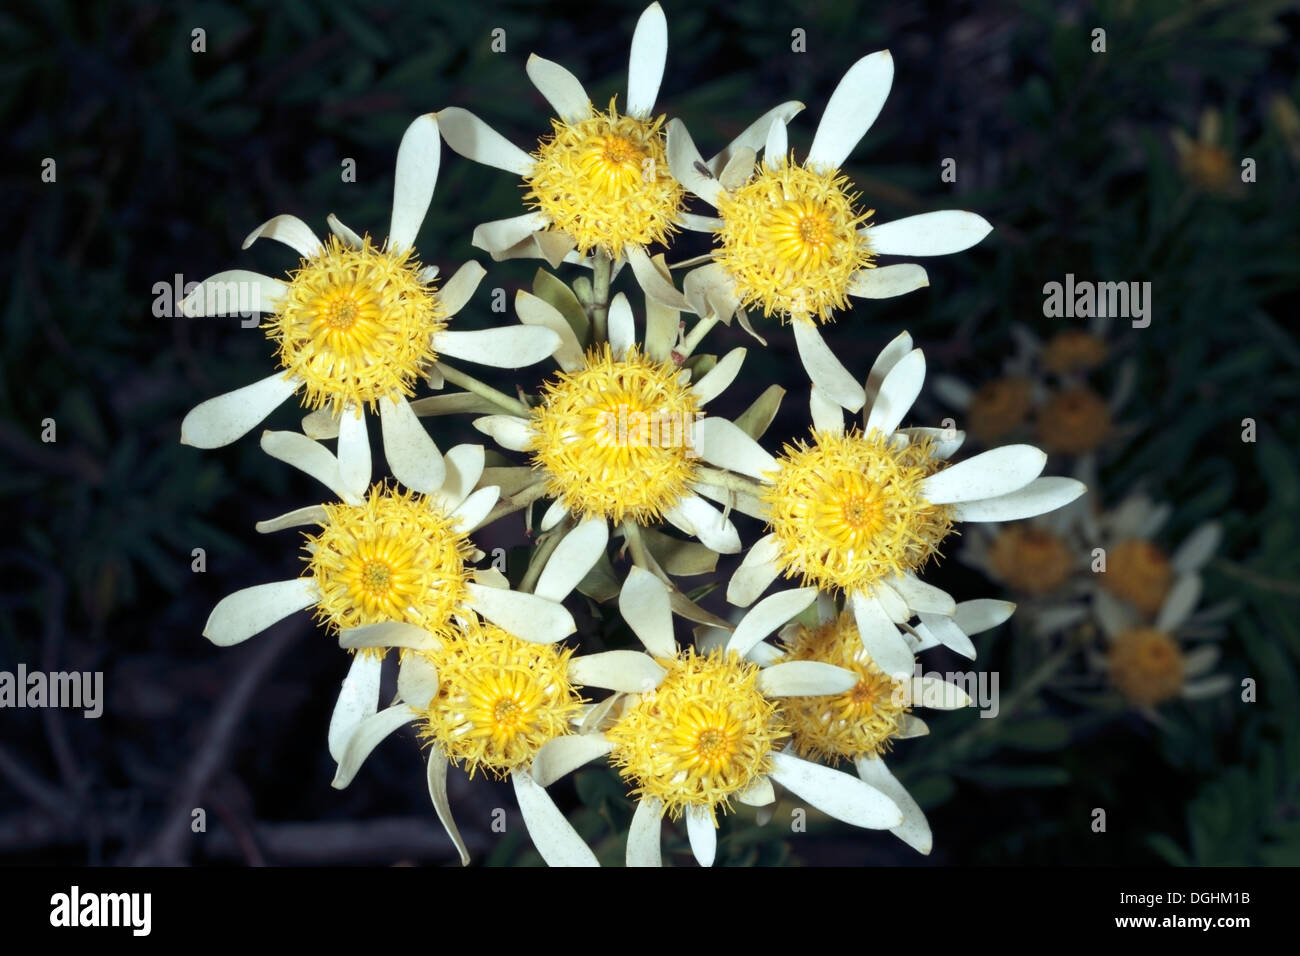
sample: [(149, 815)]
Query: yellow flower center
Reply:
[(699, 738), (397, 557), (848, 510), (1146, 666), (356, 325), (998, 407), (616, 437), (1074, 422), (604, 180), (1073, 351), (789, 241), (1139, 572), (860, 722), (500, 698), (1030, 560)]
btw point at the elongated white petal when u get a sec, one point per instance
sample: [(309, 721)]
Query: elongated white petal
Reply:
[(767, 615), (852, 108), (937, 693), (387, 634), (653, 281), (805, 679), (473, 510), (909, 726), (759, 569), (349, 236), (460, 287), (1038, 497), (622, 329), (827, 416), (928, 234), (923, 597), (560, 88), (437, 779), (501, 234), (644, 604), (239, 616), (710, 291), (223, 419), (474, 139), (837, 794), (880, 636), (643, 834), (321, 424), (563, 755), (722, 443), (683, 158), (1180, 603), (897, 393), (947, 633), (947, 441), (631, 672), (231, 292), (758, 794), (555, 839), (311, 458), (703, 835), (417, 680), (1210, 687), (312, 514), (525, 615), (695, 516), (715, 381), (412, 456), (987, 475), (753, 137), (573, 557), (354, 451), (824, 369), (886, 282), (508, 347), (291, 231), (982, 614), (414, 179), (358, 699), (776, 145), (1113, 616), (915, 829), (538, 312), (1196, 551), (1201, 660), (898, 348), (891, 602), (554, 515), (464, 467), (508, 431), (645, 68), (366, 737)]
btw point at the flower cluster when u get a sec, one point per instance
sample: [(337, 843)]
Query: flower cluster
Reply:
[(623, 440)]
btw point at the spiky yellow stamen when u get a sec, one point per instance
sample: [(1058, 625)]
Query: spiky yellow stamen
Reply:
[(789, 240), (998, 407), (1139, 572), (1030, 560), (1074, 422), (858, 723), (397, 557), (699, 738), (604, 180), (1147, 666), (848, 510), (616, 438), (500, 698), (356, 325)]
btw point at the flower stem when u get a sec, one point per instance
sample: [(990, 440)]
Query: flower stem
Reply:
[(483, 390), (693, 337), (598, 311), (728, 480), (517, 502)]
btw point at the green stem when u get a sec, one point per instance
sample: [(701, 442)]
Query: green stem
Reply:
[(470, 384), (598, 312), (546, 545), (517, 502), (641, 557), (693, 337), (727, 480)]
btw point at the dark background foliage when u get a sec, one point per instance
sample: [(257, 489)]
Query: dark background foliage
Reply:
[(166, 158)]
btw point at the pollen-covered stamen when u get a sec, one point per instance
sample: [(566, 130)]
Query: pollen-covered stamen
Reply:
[(616, 438), (858, 723), (604, 180), (1146, 665), (848, 509), (1030, 560), (396, 557), (789, 240), (699, 738), (356, 325), (1074, 422), (500, 698), (1139, 572)]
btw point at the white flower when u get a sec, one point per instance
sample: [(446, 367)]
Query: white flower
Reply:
[(356, 326)]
